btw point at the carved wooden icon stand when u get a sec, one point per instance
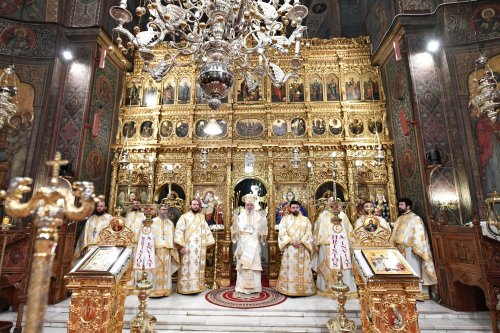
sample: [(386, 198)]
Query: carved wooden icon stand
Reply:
[(387, 285)]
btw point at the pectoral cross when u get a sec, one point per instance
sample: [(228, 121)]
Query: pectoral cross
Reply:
[(56, 167)]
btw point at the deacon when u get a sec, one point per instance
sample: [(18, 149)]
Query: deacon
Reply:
[(323, 239), (369, 210), (296, 242), (93, 226), (410, 237), (166, 256), (248, 231), (192, 235)]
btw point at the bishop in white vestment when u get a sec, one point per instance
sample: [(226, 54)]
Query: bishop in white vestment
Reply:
[(134, 218), (410, 237), (249, 230), (192, 235), (296, 243), (323, 231)]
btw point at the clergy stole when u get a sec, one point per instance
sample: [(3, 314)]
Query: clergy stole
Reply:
[(145, 254), (340, 255)]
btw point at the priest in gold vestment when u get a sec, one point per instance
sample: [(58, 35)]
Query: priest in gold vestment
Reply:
[(248, 231), (410, 237), (93, 226), (296, 242), (167, 257), (135, 217), (323, 230), (192, 235)]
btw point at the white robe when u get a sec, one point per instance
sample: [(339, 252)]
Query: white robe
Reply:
[(90, 233), (247, 231)]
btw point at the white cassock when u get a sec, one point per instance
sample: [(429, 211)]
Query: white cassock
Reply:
[(248, 230), (296, 278), (323, 230), (410, 237), (193, 234), (90, 233), (167, 257)]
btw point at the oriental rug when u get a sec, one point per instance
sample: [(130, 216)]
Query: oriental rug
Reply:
[(228, 298)]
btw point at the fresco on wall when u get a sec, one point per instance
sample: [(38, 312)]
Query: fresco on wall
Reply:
[(485, 20), (377, 22), (321, 21), (34, 10), (408, 165), (27, 40), (96, 159), (406, 187)]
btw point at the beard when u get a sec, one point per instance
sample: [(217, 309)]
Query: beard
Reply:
[(164, 216), (195, 210), (135, 209), (401, 211), (98, 213), (296, 213)]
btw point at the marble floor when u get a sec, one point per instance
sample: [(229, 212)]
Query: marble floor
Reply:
[(192, 313)]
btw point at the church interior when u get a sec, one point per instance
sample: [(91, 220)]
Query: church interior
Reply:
[(249, 166)]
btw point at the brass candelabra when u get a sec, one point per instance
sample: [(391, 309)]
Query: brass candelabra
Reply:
[(49, 205), (4, 227), (341, 324), (143, 322)]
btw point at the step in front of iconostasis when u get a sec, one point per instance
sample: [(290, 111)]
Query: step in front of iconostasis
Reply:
[(192, 313)]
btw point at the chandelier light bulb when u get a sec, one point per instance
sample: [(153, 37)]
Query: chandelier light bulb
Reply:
[(212, 128)]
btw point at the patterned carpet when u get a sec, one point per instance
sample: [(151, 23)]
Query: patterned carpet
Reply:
[(228, 298)]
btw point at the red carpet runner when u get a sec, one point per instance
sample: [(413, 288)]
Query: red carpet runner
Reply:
[(228, 298)]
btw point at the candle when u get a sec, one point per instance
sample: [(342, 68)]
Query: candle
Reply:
[(6, 220)]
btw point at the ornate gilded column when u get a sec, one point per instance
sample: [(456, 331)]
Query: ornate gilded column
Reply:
[(391, 188), (273, 250), (225, 248), (114, 183)]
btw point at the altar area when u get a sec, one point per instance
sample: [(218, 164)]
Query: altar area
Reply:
[(193, 313)]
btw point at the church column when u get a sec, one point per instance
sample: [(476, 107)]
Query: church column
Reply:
[(114, 182), (225, 268), (273, 254), (390, 189)]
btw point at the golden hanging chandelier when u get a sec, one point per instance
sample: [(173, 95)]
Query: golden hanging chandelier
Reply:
[(220, 36)]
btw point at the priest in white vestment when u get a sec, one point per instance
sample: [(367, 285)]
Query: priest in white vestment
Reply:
[(193, 236), (410, 237), (166, 256), (93, 226), (296, 243), (323, 231), (249, 230), (368, 212)]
